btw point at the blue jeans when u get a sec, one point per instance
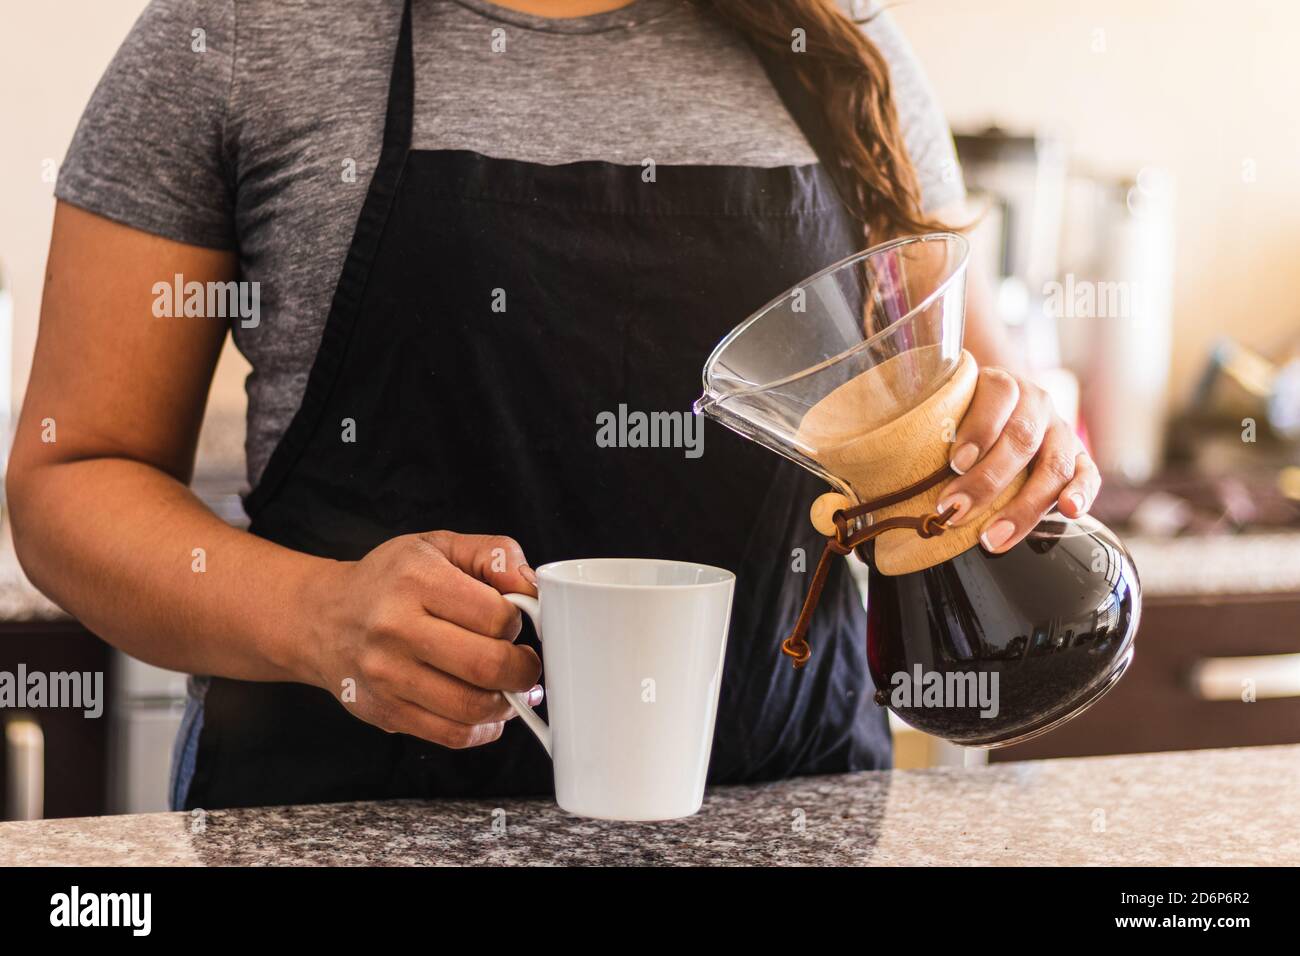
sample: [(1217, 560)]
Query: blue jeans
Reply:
[(185, 751)]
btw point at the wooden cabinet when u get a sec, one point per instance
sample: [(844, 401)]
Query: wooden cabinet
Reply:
[(1187, 653)]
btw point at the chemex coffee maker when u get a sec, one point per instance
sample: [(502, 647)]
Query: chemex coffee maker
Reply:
[(858, 374)]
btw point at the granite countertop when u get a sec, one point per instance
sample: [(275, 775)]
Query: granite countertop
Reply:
[(1205, 565), (1219, 807), (1195, 566), (1209, 565)]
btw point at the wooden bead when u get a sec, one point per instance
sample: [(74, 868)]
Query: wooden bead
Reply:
[(822, 510)]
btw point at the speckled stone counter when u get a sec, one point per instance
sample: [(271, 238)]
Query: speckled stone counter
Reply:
[(1209, 807), (1228, 564)]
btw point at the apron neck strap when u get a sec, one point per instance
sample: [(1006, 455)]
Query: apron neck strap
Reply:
[(806, 111), (401, 89)]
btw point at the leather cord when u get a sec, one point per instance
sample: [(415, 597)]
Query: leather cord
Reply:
[(844, 541)]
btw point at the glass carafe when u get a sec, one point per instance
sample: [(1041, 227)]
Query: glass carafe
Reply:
[(980, 649)]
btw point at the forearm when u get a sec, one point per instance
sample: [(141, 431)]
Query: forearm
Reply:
[(986, 336), (139, 560)]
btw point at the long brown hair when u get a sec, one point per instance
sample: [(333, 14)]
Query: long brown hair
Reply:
[(849, 77)]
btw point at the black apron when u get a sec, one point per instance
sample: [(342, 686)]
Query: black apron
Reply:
[(615, 289)]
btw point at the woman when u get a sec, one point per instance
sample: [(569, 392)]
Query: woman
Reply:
[(473, 228)]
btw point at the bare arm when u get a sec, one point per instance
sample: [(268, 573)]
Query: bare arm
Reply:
[(105, 524), (103, 520), (986, 337)]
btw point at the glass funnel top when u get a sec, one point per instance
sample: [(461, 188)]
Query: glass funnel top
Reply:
[(897, 308)]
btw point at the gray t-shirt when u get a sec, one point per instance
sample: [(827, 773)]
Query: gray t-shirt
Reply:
[(255, 125)]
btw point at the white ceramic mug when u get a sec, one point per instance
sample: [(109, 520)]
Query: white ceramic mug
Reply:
[(633, 653)]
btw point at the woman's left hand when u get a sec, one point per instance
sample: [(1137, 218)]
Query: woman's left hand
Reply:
[(1011, 423)]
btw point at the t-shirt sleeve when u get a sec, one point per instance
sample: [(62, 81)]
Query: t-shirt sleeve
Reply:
[(925, 130), (150, 149)]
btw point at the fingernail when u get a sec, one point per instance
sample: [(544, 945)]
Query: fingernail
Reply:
[(535, 695), (528, 574), (1079, 503), (996, 535), (965, 456), (962, 503)]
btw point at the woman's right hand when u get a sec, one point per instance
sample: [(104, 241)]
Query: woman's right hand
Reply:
[(416, 638)]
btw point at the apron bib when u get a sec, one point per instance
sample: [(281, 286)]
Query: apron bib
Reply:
[(491, 317)]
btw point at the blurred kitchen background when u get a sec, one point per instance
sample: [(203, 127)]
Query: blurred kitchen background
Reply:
[(1136, 169)]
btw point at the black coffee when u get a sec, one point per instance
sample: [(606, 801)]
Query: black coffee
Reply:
[(984, 649)]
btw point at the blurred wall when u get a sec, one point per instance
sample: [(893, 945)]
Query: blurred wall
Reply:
[(51, 57), (1208, 90)]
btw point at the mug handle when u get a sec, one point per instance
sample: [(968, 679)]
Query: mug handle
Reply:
[(533, 608)]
